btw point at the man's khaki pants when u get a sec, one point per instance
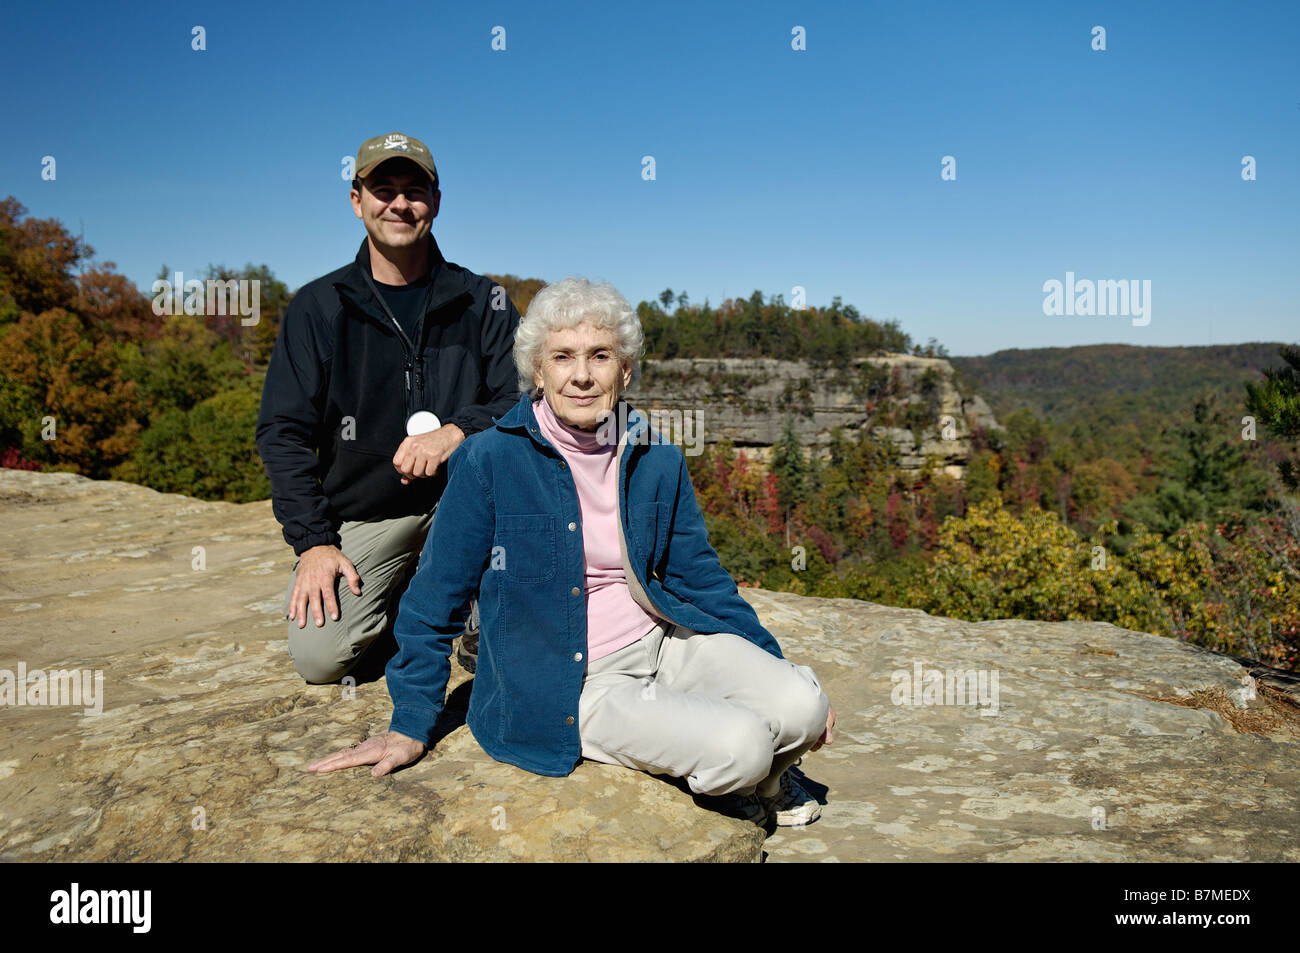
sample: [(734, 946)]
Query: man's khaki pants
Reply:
[(385, 552), (714, 709)]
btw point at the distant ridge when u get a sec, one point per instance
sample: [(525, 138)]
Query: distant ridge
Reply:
[(1056, 381)]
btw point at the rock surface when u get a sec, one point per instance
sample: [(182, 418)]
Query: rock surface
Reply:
[(199, 751), (1094, 751)]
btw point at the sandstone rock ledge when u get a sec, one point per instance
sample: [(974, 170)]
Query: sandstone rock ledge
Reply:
[(1106, 744), (199, 751)]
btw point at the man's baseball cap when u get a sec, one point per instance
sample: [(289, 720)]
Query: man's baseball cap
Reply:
[(393, 146)]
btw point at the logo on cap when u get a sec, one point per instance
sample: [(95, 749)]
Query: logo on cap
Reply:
[(396, 141)]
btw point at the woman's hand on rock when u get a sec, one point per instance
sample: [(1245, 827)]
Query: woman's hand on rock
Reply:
[(386, 752)]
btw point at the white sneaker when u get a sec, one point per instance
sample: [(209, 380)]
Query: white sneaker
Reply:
[(791, 805)]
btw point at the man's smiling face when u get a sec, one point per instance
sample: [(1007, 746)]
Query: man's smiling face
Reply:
[(397, 203)]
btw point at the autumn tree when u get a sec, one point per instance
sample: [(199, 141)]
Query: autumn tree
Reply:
[(206, 451), (254, 342), (38, 260), (67, 404), (520, 290)]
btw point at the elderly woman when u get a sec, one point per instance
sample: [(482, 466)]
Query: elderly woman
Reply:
[(608, 628)]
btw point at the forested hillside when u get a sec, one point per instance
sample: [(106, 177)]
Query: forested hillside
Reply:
[(1069, 383)]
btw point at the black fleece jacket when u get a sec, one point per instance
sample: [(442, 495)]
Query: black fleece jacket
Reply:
[(344, 377)]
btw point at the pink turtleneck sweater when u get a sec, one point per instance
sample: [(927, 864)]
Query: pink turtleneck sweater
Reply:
[(613, 619)]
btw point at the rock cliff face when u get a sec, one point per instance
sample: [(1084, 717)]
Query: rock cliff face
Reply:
[(749, 400), (1069, 741)]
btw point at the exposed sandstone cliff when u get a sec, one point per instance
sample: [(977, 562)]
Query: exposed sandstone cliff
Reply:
[(749, 400)]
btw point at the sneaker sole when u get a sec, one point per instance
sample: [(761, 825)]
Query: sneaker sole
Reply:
[(798, 818)]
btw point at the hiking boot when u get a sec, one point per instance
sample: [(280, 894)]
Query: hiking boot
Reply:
[(467, 650), (746, 807)]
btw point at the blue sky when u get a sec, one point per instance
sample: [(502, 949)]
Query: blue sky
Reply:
[(774, 167)]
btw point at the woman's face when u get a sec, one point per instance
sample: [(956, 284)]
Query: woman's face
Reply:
[(580, 376)]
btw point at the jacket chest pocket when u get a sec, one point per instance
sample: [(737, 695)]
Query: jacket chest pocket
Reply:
[(452, 364), (525, 547), (648, 521)]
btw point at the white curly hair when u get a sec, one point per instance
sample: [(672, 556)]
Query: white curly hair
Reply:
[(566, 304)]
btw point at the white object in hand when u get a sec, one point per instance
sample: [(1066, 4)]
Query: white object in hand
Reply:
[(422, 421)]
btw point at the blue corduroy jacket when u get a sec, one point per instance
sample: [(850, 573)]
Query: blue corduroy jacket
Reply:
[(508, 527)]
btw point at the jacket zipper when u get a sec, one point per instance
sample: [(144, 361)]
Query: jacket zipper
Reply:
[(407, 347)]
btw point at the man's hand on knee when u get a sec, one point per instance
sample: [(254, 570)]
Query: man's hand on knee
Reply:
[(314, 584)]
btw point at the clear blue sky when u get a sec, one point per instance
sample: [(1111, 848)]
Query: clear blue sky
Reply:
[(775, 168)]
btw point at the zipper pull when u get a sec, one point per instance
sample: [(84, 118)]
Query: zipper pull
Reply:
[(407, 372)]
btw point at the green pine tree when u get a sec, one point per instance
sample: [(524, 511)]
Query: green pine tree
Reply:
[(790, 467), (1204, 469), (1276, 404)]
